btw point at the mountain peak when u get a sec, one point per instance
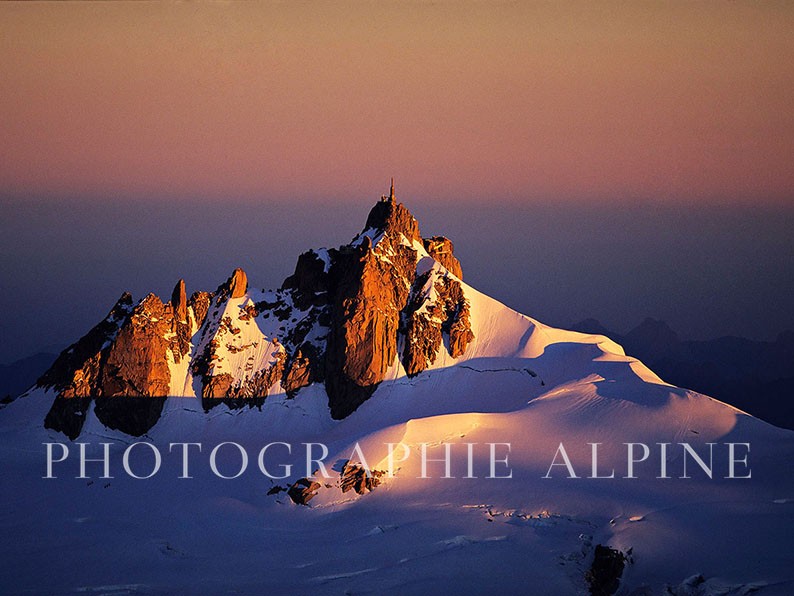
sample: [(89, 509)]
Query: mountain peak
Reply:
[(392, 218), (594, 327), (654, 327), (655, 339), (345, 319)]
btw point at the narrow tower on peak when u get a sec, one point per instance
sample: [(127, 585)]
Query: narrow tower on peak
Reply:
[(390, 198)]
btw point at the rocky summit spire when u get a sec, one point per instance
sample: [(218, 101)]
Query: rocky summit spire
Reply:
[(393, 218), (390, 198), (179, 301), (238, 283), (376, 294)]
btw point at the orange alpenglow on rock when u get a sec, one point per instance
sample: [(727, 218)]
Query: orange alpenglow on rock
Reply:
[(343, 319), (442, 250), (238, 283)]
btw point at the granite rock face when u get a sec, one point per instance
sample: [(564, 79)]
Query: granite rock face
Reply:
[(370, 287), (443, 251), (303, 491), (339, 319), (237, 284), (179, 301), (437, 310), (136, 363), (357, 478)]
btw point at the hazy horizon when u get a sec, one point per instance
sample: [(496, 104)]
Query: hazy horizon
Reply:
[(705, 272)]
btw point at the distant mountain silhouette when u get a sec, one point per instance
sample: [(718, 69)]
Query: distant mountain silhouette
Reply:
[(754, 376), (20, 375)]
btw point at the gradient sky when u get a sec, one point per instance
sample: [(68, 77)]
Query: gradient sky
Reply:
[(607, 101), (614, 160)]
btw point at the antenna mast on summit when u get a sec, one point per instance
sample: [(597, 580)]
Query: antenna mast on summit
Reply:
[(391, 190)]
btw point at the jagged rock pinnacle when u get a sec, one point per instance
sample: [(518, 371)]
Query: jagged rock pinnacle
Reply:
[(179, 301), (238, 284), (356, 303)]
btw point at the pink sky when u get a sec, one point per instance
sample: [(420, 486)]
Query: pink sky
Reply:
[(689, 102)]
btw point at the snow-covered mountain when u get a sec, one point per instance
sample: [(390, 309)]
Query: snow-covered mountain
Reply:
[(348, 318), (378, 343)]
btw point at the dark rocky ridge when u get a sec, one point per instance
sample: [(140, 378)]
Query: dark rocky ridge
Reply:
[(603, 577), (340, 316), (76, 373), (68, 374)]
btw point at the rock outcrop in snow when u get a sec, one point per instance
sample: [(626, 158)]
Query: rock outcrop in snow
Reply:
[(442, 250), (345, 318), (437, 309)]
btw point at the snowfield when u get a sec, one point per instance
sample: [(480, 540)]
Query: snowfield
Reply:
[(519, 383)]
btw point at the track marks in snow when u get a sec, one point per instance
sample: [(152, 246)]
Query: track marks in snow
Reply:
[(516, 517), (321, 579), (115, 589), (435, 549), (461, 541), (377, 530)]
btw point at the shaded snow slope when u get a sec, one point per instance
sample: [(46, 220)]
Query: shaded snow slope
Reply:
[(518, 382)]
